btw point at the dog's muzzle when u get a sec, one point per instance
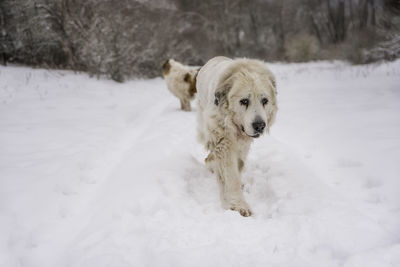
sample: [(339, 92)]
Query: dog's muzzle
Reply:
[(256, 135)]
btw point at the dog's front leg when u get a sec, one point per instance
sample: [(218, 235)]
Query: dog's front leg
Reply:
[(225, 165), (185, 104)]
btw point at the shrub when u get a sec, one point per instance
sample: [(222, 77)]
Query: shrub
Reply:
[(301, 47)]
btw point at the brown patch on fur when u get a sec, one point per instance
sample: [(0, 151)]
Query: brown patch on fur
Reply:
[(193, 88), (166, 67), (240, 164), (187, 78), (191, 80)]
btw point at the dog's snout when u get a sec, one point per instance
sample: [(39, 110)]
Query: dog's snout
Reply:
[(258, 126)]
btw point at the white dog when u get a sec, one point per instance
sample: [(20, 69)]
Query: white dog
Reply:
[(236, 103), (181, 81)]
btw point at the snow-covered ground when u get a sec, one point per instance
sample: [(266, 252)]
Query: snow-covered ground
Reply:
[(95, 173)]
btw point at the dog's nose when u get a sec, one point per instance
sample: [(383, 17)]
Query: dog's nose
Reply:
[(258, 126)]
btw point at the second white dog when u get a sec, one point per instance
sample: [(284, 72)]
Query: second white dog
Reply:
[(236, 103)]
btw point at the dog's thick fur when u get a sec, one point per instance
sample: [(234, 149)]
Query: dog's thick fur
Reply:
[(235, 99), (181, 81)]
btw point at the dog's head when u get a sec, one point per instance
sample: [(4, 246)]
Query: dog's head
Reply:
[(247, 93)]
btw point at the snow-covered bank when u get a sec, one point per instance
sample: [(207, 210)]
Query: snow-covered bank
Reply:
[(95, 173)]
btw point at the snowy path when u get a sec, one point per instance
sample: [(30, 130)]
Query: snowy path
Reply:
[(94, 173)]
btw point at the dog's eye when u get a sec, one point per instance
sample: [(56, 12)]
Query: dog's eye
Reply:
[(264, 101), (244, 102)]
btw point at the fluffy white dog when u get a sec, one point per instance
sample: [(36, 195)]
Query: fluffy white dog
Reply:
[(181, 81), (236, 103)]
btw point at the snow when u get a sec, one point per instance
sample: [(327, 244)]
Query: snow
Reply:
[(96, 173)]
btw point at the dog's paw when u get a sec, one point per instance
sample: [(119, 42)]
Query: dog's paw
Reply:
[(243, 209), (245, 212)]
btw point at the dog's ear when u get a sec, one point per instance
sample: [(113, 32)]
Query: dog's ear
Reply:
[(224, 86), (221, 94)]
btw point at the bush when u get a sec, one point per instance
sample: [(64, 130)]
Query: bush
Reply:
[(388, 50), (301, 47), (356, 46)]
